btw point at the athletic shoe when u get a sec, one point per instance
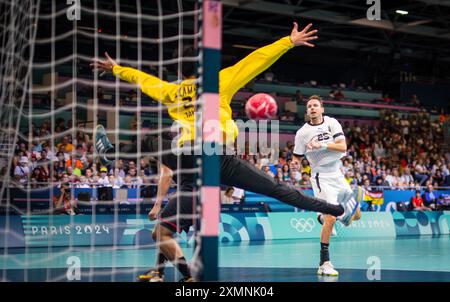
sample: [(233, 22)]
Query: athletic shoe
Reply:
[(102, 144), (359, 196), (327, 269), (151, 276), (347, 201)]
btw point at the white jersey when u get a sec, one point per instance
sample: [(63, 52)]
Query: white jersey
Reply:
[(328, 131)]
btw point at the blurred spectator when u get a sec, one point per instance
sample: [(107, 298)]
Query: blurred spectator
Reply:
[(103, 180), (349, 177), (118, 178), (268, 171), (366, 185), (113, 182), (136, 181), (429, 198), (22, 171), (331, 94), (420, 172), (131, 165), (305, 167), (286, 173), (64, 203), (100, 93), (305, 182), (439, 178), (338, 95), (269, 76), (387, 99), (82, 139), (287, 116), (415, 101), (65, 146), (84, 182), (47, 99), (75, 164), (279, 177), (60, 123), (227, 196), (406, 177), (298, 97), (238, 195), (394, 179), (380, 184), (127, 182), (352, 85), (417, 203)]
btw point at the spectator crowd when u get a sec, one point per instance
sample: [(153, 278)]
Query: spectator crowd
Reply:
[(61, 159), (402, 152)]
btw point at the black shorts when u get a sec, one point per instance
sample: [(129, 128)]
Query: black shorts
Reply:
[(170, 215), (170, 220), (151, 144)]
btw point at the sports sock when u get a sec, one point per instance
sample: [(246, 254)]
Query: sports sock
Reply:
[(183, 267), (324, 254), (161, 263)]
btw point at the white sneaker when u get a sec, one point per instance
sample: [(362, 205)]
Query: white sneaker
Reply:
[(327, 269)]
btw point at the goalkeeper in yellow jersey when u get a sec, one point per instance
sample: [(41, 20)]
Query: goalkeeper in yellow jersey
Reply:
[(180, 101)]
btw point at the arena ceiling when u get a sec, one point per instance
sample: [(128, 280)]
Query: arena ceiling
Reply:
[(423, 34)]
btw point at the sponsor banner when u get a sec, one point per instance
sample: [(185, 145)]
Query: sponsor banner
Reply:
[(79, 230), (387, 201), (416, 223), (371, 224), (294, 225), (391, 197), (87, 230), (62, 230), (244, 227), (11, 232)]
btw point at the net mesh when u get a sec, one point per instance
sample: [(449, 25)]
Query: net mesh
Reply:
[(51, 103)]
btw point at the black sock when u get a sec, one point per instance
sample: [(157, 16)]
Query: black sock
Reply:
[(161, 263), (183, 267), (324, 254)]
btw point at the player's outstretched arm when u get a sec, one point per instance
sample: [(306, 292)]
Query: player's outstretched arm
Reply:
[(150, 85), (235, 77)]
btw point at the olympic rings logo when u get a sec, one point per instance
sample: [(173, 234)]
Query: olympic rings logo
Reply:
[(302, 224)]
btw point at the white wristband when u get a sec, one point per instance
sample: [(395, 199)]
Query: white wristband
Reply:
[(324, 147)]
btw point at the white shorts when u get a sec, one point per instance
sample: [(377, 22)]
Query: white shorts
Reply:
[(326, 186)]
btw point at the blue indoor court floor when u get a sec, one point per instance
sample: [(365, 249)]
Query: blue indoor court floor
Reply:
[(422, 259)]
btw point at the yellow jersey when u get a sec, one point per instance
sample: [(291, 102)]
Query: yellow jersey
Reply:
[(180, 98)]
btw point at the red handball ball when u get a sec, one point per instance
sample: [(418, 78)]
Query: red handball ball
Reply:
[(261, 106)]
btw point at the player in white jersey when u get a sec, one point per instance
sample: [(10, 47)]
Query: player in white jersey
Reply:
[(322, 141)]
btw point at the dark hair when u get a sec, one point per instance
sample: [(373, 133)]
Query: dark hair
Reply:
[(229, 189), (188, 67)]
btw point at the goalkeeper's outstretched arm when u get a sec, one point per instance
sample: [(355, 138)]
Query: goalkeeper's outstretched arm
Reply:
[(152, 86)]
